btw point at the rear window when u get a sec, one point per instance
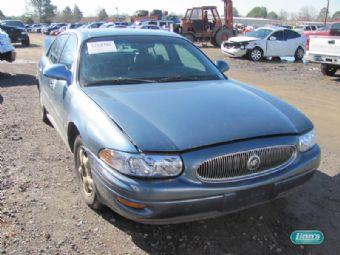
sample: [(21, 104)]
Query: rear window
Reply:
[(336, 26), (292, 34)]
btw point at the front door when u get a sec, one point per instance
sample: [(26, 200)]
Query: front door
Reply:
[(276, 45)]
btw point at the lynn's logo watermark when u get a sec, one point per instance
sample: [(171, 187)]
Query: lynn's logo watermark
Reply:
[(307, 237)]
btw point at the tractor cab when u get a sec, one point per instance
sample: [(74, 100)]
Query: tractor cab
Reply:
[(204, 24), (202, 19)]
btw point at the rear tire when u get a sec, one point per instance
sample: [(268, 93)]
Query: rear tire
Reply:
[(83, 169), (299, 54), (43, 111), (256, 54), (328, 70)]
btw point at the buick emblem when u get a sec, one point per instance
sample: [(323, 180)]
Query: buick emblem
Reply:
[(253, 163)]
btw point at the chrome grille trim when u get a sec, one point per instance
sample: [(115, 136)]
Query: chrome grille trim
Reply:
[(233, 167)]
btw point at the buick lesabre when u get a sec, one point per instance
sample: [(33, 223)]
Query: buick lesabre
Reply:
[(158, 132)]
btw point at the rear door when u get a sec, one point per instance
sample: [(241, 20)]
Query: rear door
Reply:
[(294, 40)]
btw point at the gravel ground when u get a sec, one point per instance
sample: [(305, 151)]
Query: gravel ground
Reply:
[(41, 211)]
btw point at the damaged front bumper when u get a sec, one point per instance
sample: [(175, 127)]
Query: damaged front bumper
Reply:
[(234, 49)]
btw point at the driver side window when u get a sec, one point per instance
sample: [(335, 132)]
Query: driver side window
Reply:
[(279, 35)]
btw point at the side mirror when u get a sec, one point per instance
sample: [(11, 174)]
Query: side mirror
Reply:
[(222, 65), (272, 38), (58, 72)]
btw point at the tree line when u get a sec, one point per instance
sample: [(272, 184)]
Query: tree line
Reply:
[(43, 11), (306, 13)]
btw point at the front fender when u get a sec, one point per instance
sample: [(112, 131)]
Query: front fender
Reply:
[(97, 130)]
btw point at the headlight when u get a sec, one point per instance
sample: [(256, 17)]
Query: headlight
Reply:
[(307, 141), (24, 33), (142, 165)]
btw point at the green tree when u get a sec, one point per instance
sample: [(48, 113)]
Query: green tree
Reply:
[(102, 15), (27, 19), (258, 12), (43, 9), (2, 15), (336, 15), (272, 15), (67, 15), (77, 14), (236, 13)]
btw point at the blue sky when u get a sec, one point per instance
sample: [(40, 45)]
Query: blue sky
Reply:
[(15, 7)]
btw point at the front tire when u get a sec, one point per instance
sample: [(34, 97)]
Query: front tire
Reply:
[(43, 111), (299, 54), (256, 54), (328, 70), (25, 43), (83, 169)]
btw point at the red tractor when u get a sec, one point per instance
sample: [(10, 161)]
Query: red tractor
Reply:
[(204, 24)]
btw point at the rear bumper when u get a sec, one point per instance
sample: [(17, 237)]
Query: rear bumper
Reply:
[(20, 38), (322, 59), (180, 200)]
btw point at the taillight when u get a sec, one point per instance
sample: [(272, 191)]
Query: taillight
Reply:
[(307, 44)]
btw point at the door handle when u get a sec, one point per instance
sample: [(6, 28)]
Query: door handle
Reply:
[(51, 84)]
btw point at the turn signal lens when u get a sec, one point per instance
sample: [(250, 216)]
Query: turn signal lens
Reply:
[(130, 204)]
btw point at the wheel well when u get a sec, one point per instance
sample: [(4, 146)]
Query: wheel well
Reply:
[(72, 133)]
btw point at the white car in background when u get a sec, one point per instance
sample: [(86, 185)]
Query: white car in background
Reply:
[(266, 42)]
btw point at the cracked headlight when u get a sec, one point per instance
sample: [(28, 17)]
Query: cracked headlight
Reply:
[(142, 165), (307, 141)]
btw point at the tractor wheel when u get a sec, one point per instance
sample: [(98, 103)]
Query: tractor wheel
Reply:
[(222, 35)]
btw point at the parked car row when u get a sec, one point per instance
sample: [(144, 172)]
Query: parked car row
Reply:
[(57, 28)]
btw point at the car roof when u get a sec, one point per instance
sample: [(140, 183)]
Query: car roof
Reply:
[(85, 34)]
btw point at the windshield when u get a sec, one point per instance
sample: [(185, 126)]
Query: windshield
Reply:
[(259, 33), (142, 58), (13, 23)]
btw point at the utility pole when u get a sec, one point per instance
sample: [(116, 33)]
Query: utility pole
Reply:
[(327, 9)]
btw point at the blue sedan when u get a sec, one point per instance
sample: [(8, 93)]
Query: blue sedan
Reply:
[(158, 132)]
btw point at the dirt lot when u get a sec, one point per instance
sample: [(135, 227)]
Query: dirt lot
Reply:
[(41, 211)]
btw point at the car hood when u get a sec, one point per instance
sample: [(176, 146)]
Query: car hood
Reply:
[(243, 39), (185, 115)]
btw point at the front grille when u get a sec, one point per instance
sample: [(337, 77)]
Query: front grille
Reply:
[(246, 164)]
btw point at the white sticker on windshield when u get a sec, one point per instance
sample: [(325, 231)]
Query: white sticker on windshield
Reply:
[(101, 47)]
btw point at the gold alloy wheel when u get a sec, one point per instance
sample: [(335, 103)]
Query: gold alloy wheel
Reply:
[(85, 172)]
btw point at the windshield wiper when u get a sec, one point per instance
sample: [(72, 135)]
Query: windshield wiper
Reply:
[(186, 78), (120, 80)]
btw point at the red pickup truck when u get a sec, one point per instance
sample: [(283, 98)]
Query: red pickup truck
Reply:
[(331, 29)]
